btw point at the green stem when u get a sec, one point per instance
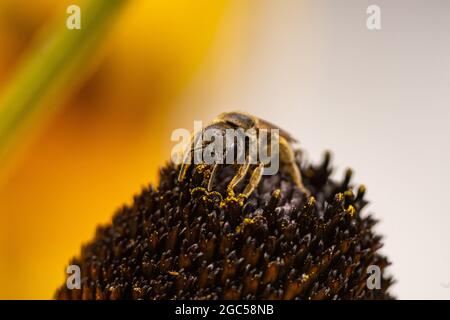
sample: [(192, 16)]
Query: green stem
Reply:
[(49, 67)]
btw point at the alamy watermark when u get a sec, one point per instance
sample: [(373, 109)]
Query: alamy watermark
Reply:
[(73, 21), (73, 277), (374, 277), (373, 21)]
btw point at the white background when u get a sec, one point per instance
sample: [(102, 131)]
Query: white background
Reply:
[(380, 100)]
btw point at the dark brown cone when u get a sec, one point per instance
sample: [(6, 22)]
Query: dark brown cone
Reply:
[(177, 242)]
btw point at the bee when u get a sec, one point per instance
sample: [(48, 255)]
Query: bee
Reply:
[(240, 120)]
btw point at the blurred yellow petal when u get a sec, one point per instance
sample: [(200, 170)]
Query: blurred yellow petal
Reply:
[(104, 143)]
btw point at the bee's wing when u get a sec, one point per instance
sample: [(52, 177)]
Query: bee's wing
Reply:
[(267, 125)]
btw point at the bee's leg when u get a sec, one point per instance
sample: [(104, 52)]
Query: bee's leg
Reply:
[(242, 172), (188, 156), (212, 176), (216, 165), (287, 159), (185, 165), (254, 180)]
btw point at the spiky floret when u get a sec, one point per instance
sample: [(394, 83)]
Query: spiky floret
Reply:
[(180, 242)]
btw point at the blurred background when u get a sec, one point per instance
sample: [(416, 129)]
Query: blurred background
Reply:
[(86, 115)]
